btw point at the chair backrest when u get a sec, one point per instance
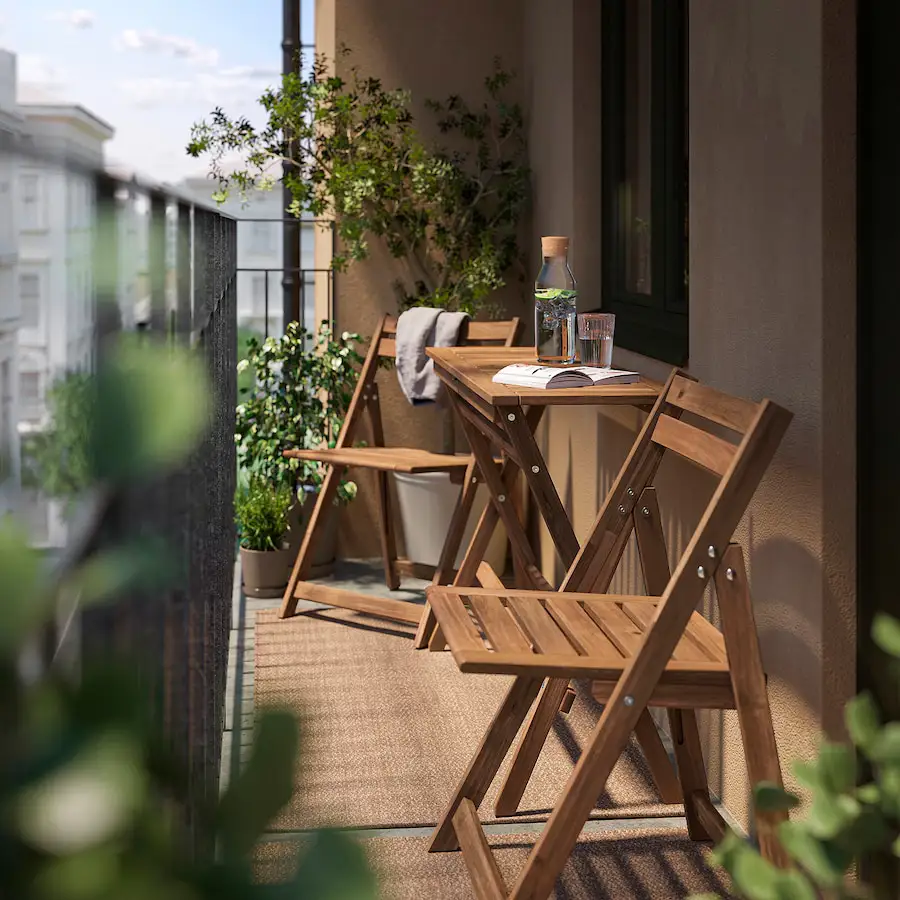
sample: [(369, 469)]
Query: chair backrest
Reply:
[(730, 437), (501, 333)]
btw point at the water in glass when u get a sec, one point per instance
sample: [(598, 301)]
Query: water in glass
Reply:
[(596, 351)]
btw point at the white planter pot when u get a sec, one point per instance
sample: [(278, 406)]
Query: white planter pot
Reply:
[(426, 504)]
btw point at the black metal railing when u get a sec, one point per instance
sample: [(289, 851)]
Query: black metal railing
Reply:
[(176, 639), (266, 319)]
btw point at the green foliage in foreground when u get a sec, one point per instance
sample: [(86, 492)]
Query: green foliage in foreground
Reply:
[(89, 792), (846, 821)]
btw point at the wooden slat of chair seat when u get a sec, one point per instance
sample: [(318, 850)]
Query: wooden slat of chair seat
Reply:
[(386, 459), (520, 636)]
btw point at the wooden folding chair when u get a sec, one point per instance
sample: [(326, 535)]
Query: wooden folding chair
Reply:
[(384, 459), (641, 651)]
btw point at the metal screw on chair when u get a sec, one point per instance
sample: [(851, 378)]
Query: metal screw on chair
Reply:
[(701, 572), (628, 700), (622, 510), (535, 469), (511, 417), (502, 498), (645, 512), (474, 480), (630, 492), (730, 574), (711, 551)]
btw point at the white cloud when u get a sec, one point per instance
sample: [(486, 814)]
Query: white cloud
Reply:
[(235, 84), (77, 18), (150, 41)]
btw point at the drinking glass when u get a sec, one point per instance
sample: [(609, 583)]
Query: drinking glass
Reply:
[(595, 338)]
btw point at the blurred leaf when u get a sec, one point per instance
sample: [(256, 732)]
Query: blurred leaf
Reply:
[(85, 876), (794, 885), (868, 832), (151, 410), (824, 862), (886, 746), (869, 793), (807, 774), (895, 847), (755, 877), (143, 563), (25, 607), (334, 867), (770, 797), (886, 633), (87, 802), (263, 788), (837, 768), (863, 720), (830, 814)]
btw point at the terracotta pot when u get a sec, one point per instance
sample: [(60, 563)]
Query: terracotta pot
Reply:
[(325, 548), (265, 572)]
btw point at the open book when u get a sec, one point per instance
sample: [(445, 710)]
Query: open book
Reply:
[(525, 375)]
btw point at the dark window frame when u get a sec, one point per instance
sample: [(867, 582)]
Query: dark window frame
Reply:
[(654, 324)]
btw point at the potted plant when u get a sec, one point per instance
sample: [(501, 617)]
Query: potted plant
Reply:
[(261, 514), (298, 397), (449, 212)]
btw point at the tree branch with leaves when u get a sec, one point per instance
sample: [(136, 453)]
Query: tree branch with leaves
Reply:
[(451, 213)]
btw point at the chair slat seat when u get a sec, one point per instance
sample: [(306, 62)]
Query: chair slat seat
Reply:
[(545, 635), (384, 459)]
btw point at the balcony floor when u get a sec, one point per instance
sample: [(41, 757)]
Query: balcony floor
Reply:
[(646, 856)]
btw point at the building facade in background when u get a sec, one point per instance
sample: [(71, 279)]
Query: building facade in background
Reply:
[(55, 203), (11, 124)]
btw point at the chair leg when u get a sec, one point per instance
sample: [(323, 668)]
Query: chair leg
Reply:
[(748, 681), (488, 758), (458, 522), (658, 762), (383, 497), (692, 773), (537, 732), (386, 532), (323, 507), (592, 771), (530, 747)]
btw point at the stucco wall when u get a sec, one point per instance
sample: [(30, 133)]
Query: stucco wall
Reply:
[(772, 292), (772, 256), (434, 49)]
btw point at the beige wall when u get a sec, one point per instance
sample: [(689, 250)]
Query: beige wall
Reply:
[(434, 49), (772, 291), (772, 296)]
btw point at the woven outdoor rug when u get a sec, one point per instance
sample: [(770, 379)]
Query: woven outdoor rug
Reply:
[(616, 865), (387, 731)]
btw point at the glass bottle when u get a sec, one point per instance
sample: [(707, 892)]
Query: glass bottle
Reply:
[(555, 298)]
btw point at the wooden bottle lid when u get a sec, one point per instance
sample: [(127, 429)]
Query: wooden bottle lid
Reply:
[(555, 246)]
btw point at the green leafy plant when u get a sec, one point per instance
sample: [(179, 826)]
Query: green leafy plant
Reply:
[(261, 514), (299, 399), (56, 458), (845, 822), (88, 783), (451, 213)]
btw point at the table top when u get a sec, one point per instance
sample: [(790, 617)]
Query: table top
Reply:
[(474, 367)]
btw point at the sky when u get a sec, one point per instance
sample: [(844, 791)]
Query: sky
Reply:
[(148, 70)]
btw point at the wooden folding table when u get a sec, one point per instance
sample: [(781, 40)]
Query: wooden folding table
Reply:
[(505, 417)]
